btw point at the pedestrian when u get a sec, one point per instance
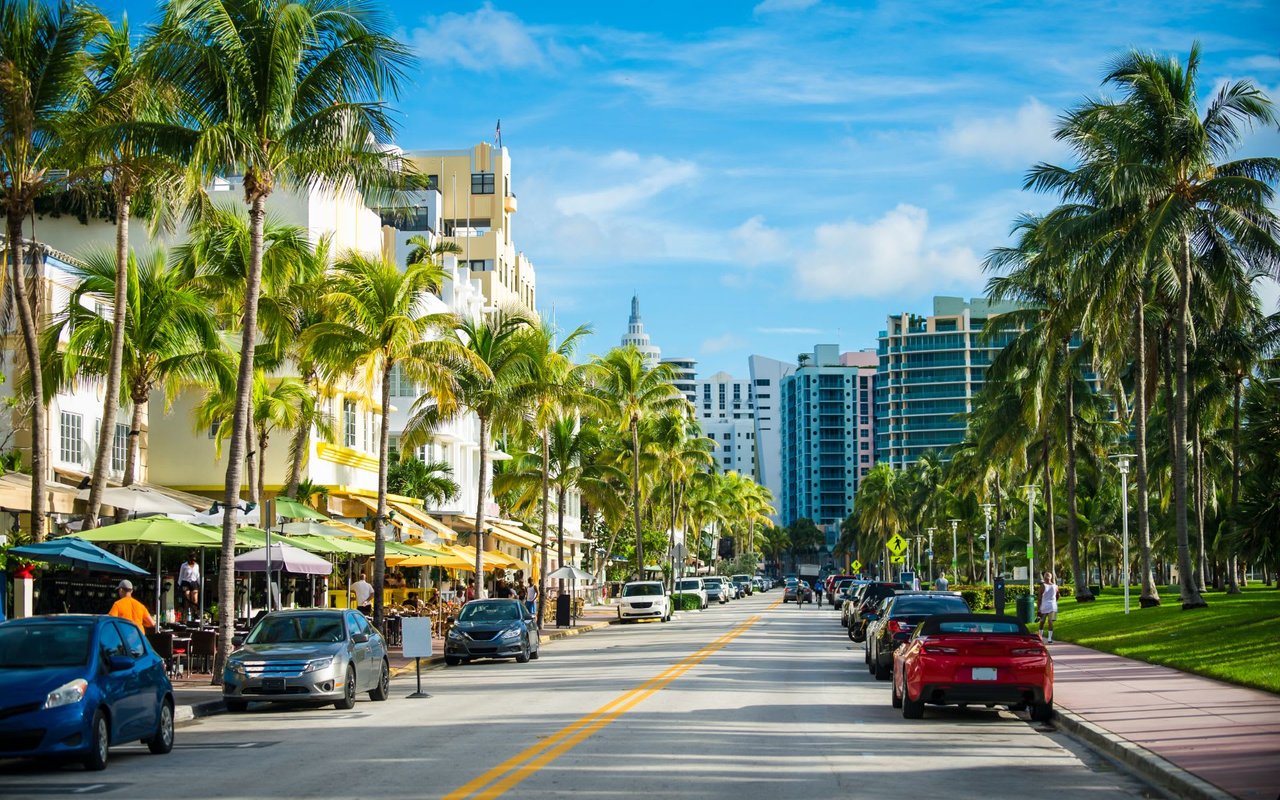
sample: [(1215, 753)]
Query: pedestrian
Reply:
[(531, 598), (126, 607), (1048, 606), (363, 590), (941, 583), (189, 583), (470, 593)]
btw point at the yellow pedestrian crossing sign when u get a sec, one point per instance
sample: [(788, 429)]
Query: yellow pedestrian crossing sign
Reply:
[(857, 565), (897, 545)]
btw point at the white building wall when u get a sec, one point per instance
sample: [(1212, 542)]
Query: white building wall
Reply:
[(766, 382)]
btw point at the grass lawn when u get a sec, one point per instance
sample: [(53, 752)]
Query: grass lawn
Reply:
[(1235, 639)]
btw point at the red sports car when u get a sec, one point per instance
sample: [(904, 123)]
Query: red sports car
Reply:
[(973, 659)]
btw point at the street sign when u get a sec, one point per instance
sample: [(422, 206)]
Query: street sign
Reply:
[(1030, 552), (898, 559), (897, 545), (857, 565)]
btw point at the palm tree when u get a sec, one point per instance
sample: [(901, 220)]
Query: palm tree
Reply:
[(376, 323), (679, 453), (45, 64), (282, 93), (430, 481), (880, 508), (171, 341), (633, 392)]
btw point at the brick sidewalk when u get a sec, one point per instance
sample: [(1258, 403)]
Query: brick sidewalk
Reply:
[(1226, 735)]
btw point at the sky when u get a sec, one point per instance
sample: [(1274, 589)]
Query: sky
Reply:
[(771, 175)]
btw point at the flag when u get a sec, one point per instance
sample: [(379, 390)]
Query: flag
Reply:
[(497, 133)]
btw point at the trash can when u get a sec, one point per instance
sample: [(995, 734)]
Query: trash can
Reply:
[(1025, 612), (562, 611), (998, 598)]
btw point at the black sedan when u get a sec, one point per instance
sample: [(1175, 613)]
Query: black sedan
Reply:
[(897, 617), (492, 628), (868, 597)]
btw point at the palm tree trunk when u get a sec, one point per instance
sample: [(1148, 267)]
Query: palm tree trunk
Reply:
[(138, 396), (671, 543), (560, 493), (251, 465), (239, 432), (1150, 596), (635, 497), (1202, 557), (1083, 595), (298, 445), (29, 313), (379, 538), (484, 485), (111, 393), (1050, 526), (542, 545), (1190, 594), (1233, 582)]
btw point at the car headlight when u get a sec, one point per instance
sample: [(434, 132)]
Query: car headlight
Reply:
[(236, 668), (317, 664), (67, 694), (510, 633), (456, 634)]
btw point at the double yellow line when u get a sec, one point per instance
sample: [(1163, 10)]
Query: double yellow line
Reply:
[(498, 780)]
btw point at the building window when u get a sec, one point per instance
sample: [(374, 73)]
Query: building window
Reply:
[(213, 428), (401, 386), (70, 438), (482, 183), (119, 448), (349, 423)]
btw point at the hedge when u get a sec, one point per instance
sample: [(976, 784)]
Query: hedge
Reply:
[(686, 602), (981, 596)]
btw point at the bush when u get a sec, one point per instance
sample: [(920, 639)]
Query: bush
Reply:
[(977, 596), (686, 602)]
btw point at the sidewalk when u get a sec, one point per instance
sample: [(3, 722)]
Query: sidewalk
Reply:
[(1225, 735), (196, 696)]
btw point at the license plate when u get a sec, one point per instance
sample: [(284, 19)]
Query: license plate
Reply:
[(277, 684), (984, 673)]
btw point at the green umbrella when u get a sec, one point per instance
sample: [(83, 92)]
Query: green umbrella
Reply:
[(292, 509), (316, 544), (154, 530)]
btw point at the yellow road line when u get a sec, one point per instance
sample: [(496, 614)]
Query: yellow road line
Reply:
[(515, 769)]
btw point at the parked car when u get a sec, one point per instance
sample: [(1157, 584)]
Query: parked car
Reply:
[(308, 656), (895, 619), (970, 659), (836, 589), (694, 587), (743, 583), (844, 598), (644, 600), (73, 685), (829, 583), (868, 597), (759, 584), (799, 592), (717, 591), (492, 628)]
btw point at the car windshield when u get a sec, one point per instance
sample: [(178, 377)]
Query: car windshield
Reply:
[(980, 627), (489, 612), (44, 646), (686, 584), (295, 628), (930, 605), (712, 582), (641, 589)]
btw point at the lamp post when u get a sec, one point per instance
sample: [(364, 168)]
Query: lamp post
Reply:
[(987, 508), (929, 554), (1031, 540), (955, 550), (1122, 462)]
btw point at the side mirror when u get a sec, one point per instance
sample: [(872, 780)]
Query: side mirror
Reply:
[(450, 619), (359, 638), (237, 640), (119, 663)]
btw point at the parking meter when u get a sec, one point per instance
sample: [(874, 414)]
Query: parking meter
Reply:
[(998, 585)]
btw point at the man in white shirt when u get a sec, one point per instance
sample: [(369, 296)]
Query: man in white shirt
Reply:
[(189, 582), (941, 583), (363, 591)]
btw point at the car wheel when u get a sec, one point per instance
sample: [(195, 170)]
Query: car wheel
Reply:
[(237, 706), (383, 690), (537, 651), (911, 709), (1042, 712), (452, 661), (96, 758), (348, 700), (879, 670), (162, 741), (523, 657), (849, 631), (896, 698)]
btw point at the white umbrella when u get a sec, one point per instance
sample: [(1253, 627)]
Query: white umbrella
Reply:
[(311, 527), (251, 517), (139, 500), (571, 573), (284, 557)]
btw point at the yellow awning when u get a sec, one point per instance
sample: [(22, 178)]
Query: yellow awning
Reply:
[(425, 520), (516, 536), (489, 559)]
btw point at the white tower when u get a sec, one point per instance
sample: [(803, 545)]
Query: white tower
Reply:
[(637, 338)]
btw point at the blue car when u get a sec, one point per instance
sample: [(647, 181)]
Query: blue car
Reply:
[(72, 685)]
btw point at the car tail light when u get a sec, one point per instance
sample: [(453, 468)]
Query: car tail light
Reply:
[(940, 650), (1027, 651), (897, 627)]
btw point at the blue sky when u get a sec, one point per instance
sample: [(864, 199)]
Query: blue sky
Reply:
[(775, 174)]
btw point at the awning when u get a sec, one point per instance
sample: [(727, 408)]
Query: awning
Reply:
[(489, 559), (425, 520), (516, 536), (15, 494)]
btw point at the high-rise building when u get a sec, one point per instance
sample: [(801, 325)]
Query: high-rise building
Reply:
[(827, 435), (929, 370), (686, 370), (637, 338), (767, 375), (725, 408)]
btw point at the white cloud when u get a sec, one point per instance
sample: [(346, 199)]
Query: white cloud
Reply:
[(775, 6), (1261, 63), (721, 343), (895, 253), (639, 179), (483, 40), (756, 243), (1009, 140), (790, 331)]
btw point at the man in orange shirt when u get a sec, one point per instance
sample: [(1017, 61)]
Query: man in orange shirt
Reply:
[(128, 608)]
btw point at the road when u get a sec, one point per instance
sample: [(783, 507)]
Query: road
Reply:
[(750, 700)]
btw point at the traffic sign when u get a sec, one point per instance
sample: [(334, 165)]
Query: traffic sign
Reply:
[(857, 565), (898, 559), (1029, 551), (897, 545)]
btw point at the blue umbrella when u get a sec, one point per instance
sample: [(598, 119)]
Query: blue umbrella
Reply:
[(76, 552)]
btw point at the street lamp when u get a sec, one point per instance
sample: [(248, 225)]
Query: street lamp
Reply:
[(1031, 540), (987, 508), (955, 568), (1122, 462), (929, 553)]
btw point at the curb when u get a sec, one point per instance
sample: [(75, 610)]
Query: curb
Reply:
[(1161, 772)]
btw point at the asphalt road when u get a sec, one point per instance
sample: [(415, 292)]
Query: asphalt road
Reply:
[(750, 700)]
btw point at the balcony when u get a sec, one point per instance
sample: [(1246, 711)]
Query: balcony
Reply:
[(509, 204)]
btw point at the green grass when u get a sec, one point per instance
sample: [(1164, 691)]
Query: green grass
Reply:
[(1235, 639)]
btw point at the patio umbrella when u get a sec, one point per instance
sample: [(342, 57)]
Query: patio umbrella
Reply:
[(216, 512), (139, 500), (571, 573), (285, 557), (292, 509), (75, 552), (311, 527)]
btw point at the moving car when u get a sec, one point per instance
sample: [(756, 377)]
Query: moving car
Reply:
[(717, 591), (644, 600), (308, 656), (743, 583), (694, 587), (971, 659), (73, 685), (865, 601), (492, 628), (895, 619), (799, 591)]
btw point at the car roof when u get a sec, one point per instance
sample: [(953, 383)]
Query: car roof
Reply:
[(56, 619), (642, 583), (925, 593), (930, 625)]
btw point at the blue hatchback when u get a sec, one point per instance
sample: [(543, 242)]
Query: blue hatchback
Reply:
[(72, 685)]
